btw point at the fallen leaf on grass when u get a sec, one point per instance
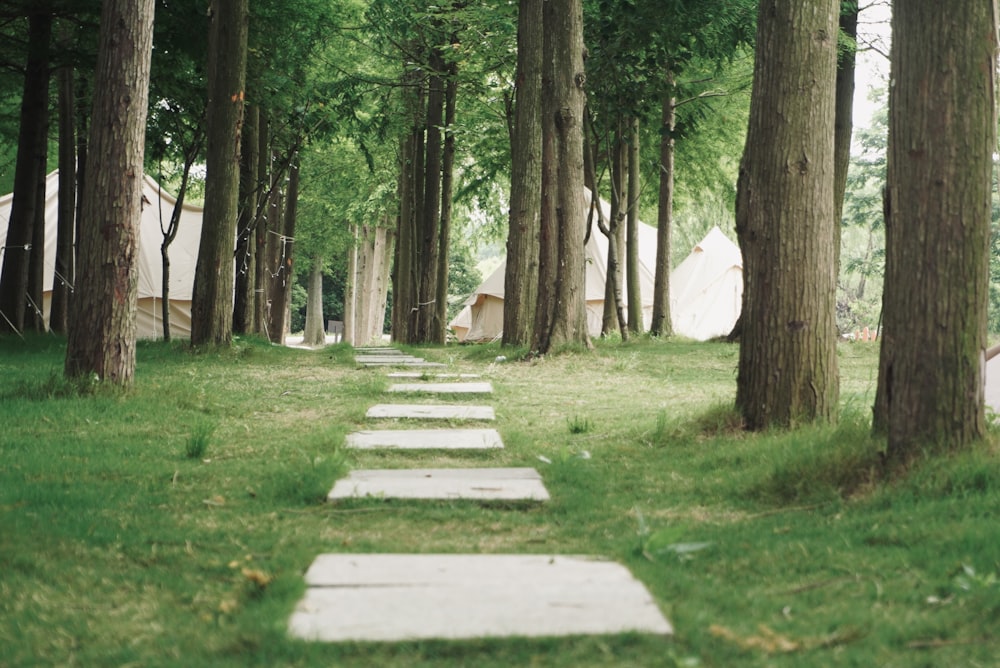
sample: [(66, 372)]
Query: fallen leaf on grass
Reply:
[(258, 577), (215, 501), (768, 640)]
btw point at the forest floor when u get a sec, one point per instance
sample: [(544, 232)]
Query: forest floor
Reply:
[(171, 525)]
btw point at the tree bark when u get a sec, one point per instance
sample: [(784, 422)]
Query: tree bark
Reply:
[(101, 338), (35, 316), (634, 288), (284, 244), (844, 124), (267, 176), (521, 272), (31, 149), (942, 136), (429, 229), (568, 325), (662, 324), (314, 333), (614, 312), (246, 235), (440, 322), (788, 358), (406, 280), (170, 233), (212, 299)]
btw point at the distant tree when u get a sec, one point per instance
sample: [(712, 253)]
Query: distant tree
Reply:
[(942, 137), (784, 208), (103, 310)]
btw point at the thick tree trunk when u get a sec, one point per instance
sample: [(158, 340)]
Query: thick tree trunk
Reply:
[(31, 150), (247, 233), (788, 356), (429, 225), (212, 299), (406, 270), (314, 333), (521, 272), (564, 20), (66, 223), (101, 340), (662, 324), (942, 136)]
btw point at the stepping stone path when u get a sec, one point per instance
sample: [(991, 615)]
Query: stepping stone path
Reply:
[(417, 374), (394, 597)]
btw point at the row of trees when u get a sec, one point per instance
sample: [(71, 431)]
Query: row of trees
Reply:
[(438, 103)]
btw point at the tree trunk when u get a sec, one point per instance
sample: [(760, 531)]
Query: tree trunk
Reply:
[(521, 272), (31, 149), (245, 238), (314, 333), (35, 317), (564, 20), (614, 312), (284, 242), (662, 324), (788, 356), (634, 288), (212, 298), (267, 176), (274, 247), (170, 234), (406, 276), (352, 292), (440, 328), (101, 340), (942, 135), (66, 222), (429, 223), (844, 124)]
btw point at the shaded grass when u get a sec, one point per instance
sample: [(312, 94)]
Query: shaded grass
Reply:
[(117, 548)]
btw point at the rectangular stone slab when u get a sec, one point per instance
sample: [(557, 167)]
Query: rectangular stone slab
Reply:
[(431, 412), (444, 388), (377, 351), (391, 359), (417, 374), (425, 439), (393, 597), (403, 362), (501, 484)]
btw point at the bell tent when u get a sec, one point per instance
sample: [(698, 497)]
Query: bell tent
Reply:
[(157, 206)]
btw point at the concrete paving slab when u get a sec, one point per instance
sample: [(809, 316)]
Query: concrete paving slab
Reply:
[(403, 362), (425, 439), (427, 376), (444, 388), (484, 484), (431, 412), (378, 350), (393, 597), (392, 359)]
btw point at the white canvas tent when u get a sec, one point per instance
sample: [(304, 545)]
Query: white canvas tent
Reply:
[(706, 289), (157, 205), (481, 318)]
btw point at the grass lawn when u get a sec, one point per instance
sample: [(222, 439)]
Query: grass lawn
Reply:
[(171, 526)]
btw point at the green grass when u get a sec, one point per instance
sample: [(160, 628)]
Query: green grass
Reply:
[(170, 525)]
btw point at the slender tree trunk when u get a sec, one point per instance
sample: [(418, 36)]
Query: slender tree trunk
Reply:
[(246, 235), (351, 288), (564, 19), (65, 260), (274, 248), (634, 288), (844, 124), (614, 312), (406, 272), (521, 272), (788, 356), (31, 150), (35, 316), (942, 136), (268, 190), (101, 338), (314, 334), (440, 329), (662, 323), (212, 299), (170, 233)]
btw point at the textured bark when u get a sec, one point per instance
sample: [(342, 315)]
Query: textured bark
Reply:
[(564, 20), (101, 338), (268, 189), (65, 260), (405, 280), (662, 323), (212, 298), (521, 272), (613, 316), (633, 288), (942, 135), (31, 150), (314, 333), (439, 329), (429, 225), (368, 281), (243, 297), (788, 357)]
